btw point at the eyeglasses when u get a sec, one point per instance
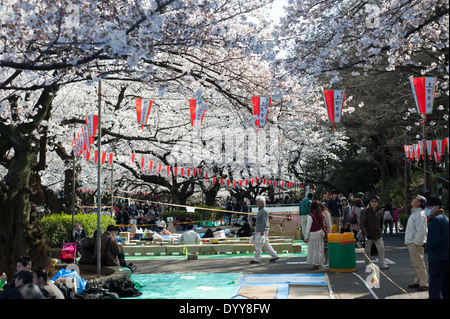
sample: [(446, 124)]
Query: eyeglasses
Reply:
[(374, 201)]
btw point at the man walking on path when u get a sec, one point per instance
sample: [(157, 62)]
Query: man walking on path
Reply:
[(261, 236), (371, 229), (304, 211), (415, 237)]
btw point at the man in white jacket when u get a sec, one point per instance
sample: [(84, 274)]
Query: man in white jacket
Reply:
[(415, 237)]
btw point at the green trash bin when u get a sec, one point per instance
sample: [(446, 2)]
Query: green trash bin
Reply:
[(341, 252)]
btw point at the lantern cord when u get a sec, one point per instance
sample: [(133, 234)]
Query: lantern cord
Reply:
[(424, 120)]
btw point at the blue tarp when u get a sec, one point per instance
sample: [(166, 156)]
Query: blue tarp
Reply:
[(64, 273)]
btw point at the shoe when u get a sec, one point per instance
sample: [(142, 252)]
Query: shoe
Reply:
[(422, 288), (274, 259), (413, 286), (131, 267), (384, 267), (315, 267), (254, 262)]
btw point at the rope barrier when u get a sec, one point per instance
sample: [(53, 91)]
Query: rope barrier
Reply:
[(185, 206), (378, 268)]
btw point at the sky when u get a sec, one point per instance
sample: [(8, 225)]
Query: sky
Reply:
[(277, 9)]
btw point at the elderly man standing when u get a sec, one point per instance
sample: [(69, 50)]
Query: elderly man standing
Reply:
[(261, 236), (415, 237)]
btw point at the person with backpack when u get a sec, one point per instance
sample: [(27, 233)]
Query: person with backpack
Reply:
[(387, 218)]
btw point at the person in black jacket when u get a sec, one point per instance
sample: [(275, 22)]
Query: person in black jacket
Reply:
[(246, 230), (334, 205), (24, 287)]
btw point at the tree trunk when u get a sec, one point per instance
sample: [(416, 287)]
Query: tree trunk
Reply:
[(20, 233)]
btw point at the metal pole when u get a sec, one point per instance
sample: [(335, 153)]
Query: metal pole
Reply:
[(99, 190), (73, 185)]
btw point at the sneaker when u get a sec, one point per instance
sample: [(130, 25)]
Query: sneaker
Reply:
[(254, 262), (132, 267), (274, 259), (384, 267)]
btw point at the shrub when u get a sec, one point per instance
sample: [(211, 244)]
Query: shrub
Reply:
[(59, 226)]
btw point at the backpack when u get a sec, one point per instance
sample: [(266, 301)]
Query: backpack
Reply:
[(122, 287), (387, 215)]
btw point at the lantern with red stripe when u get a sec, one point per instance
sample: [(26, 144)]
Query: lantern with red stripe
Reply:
[(261, 106), (424, 89), (334, 101), (143, 107), (198, 109), (92, 123)]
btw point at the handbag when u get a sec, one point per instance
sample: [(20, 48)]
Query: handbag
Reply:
[(354, 219)]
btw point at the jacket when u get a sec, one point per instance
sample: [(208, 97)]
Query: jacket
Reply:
[(262, 221), (371, 223), (416, 227), (437, 240), (25, 291), (335, 207), (110, 250), (304, 206)]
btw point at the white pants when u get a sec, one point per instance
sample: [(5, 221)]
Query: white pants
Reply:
[(266, 245), (380, 247)]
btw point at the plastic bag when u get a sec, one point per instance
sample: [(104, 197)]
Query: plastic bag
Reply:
[(80, 283)]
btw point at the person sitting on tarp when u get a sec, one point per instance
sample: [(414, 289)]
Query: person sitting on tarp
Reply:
[(112, 252), (209, 233), (190, 237), (246, 230)]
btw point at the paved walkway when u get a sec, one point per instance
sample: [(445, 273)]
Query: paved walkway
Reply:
[(393, 283)]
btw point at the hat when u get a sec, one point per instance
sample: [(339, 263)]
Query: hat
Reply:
[(433, 200), (374, 197)]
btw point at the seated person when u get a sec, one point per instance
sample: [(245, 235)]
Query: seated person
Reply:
[(246, 230), (189, 237), (48, 288), (110, 247), (24, 288)]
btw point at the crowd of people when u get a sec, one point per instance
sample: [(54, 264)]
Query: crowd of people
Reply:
[(29, 283), (427, 231)]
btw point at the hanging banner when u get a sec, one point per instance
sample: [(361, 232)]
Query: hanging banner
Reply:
[(110, 158), (440, 147), (143, 107), (198, 109), (424, 89), (261, 106), (421, 150), (85, 133), (430, 147), (334, 102), (92, 123)]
